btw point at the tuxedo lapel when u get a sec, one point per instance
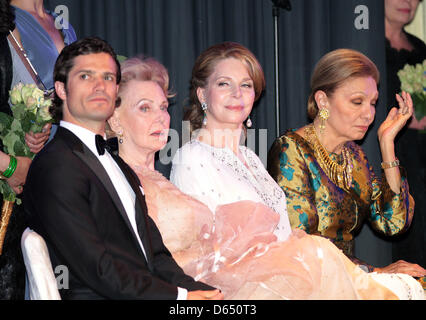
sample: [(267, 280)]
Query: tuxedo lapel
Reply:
[(87, 156), (141, 209)]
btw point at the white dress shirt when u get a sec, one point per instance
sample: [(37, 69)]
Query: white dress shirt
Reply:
[(118, 179)]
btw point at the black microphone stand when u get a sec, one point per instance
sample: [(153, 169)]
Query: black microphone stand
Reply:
[(286, 5)]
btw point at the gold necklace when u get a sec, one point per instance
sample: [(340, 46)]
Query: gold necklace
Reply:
[(340, 174)]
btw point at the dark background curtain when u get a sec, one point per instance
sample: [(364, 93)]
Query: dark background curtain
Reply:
[(176, 31)]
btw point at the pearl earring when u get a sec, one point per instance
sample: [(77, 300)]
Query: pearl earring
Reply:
[(120, 136), (249, 123), (204, 107)]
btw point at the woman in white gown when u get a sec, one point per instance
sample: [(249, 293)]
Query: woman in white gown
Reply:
[(232, 241)]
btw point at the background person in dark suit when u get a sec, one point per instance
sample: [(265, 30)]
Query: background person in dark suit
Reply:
[(404, 48), (88, 204)]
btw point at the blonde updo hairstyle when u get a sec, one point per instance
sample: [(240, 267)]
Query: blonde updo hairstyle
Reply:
[(336, 67), (204, 67), (140, 68)]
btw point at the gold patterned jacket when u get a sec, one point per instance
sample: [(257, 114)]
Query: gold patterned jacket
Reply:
[(316, 205)]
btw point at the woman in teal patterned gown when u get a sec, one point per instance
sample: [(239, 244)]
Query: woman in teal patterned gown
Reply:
[(330, 186)]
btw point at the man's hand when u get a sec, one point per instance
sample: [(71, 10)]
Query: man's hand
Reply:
[(205, 295)]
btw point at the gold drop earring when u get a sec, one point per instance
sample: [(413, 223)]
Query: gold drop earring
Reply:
[(323, 115)]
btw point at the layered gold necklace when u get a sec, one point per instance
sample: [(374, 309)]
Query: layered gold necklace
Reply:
[(340, 174)]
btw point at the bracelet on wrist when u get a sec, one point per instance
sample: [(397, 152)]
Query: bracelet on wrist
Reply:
[(391, 164), (11, 168)]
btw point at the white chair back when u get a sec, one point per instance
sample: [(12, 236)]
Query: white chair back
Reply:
[(41, 279)]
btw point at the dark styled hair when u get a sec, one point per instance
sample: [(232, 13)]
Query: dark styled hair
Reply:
[(204, 67), (65, 62), (7, 16)]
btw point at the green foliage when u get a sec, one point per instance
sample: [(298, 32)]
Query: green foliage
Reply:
[(419, 101), (413, 81), (30, 113), (121, 58)]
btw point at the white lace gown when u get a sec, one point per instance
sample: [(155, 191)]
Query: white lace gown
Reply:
[(215, 176), (235, 250)]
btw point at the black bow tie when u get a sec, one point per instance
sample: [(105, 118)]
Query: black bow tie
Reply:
[(101, 144)]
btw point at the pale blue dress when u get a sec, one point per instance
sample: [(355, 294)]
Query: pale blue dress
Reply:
[(39, 45), (40, 48)]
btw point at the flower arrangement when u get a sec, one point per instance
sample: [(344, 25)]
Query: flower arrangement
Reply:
[(413, 80), (30, 112)]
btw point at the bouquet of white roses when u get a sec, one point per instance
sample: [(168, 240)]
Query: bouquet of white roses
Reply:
[(413, 80), (30, 112)]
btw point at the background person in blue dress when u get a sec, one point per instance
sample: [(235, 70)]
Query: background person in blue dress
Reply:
[(33, 27)]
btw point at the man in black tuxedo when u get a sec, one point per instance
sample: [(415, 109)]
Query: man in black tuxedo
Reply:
[(88, 204)]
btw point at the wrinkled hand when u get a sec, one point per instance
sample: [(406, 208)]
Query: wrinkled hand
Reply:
[(17, 180), (36, 141), (402, 266), (396, 119), (205, 295)]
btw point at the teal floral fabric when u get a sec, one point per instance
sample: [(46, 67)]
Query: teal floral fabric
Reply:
[(316, 205)]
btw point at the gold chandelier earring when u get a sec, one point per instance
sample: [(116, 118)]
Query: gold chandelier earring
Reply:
[(323, 115)]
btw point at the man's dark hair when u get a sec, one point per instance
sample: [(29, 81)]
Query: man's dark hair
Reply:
[(65, 62)]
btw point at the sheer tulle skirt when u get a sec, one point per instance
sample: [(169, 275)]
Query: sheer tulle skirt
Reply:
[(239, 255), (235, 250)]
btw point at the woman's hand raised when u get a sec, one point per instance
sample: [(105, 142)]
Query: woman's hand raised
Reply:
[(396, 119)]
